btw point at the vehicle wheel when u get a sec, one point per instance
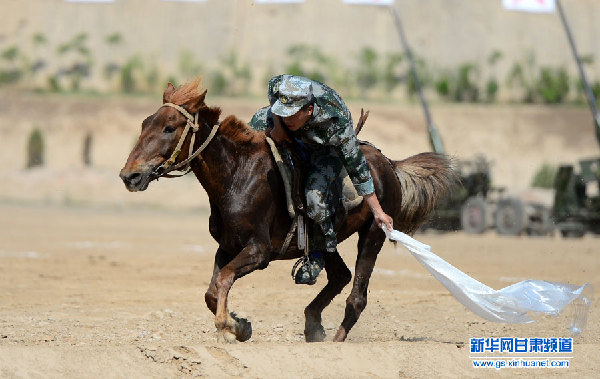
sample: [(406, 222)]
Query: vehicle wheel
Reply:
[(510, 217), (572, 233), (542, 224), (473, 215)]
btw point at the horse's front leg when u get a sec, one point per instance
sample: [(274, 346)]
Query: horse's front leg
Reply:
[(221, 259), (229, 327)]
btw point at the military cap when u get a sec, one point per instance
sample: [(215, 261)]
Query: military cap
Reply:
[(293, 93)]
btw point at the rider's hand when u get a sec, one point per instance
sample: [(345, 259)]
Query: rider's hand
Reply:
[(277, 133), (381, 218)]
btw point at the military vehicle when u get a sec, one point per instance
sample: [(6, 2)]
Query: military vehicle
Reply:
[(576, 207), (476, 206)]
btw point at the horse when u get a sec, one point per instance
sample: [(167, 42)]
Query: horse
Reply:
[(248, 213)]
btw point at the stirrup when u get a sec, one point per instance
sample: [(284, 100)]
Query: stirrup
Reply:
[(307, 268)]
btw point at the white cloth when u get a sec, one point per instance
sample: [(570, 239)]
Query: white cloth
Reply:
[(510, 304)]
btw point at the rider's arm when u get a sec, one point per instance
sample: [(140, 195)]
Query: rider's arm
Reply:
[(349, 150), (261, 119), (358, 170)]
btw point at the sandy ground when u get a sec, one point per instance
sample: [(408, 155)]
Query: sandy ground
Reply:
[(86, 292), (99, 282)]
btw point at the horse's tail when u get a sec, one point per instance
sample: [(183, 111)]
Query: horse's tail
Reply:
[(424, 179)]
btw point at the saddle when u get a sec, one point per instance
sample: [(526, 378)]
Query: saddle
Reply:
[(292, 169)]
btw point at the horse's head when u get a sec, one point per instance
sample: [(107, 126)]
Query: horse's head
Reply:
[(161, 134)]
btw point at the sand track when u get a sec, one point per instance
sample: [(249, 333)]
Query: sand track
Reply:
[(86, 292)]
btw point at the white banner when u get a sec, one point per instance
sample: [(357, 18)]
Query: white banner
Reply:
[(278, 1), (534, 6), (512, 304), (370, 2)]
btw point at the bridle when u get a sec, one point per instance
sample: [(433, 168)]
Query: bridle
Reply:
[(192, 123)]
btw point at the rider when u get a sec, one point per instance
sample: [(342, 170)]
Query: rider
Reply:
[(318, 119)]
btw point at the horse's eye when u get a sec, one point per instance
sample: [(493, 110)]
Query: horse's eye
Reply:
[(168, 129)]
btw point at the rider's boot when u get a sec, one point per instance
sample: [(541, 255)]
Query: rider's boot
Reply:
[(309, 268)]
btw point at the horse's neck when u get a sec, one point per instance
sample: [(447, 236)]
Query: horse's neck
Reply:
[(213, 169), (222, 159)]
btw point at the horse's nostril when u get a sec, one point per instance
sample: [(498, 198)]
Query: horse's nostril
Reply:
[(133, 178)]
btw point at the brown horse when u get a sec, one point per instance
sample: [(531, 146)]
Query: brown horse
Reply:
[(249, 218)]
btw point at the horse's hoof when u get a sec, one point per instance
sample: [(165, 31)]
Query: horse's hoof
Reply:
[(316, 334), (243, 329), (340, 336), (225, 336)]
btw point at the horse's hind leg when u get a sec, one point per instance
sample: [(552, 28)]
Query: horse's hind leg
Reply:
[(369, 245), (338, 275)]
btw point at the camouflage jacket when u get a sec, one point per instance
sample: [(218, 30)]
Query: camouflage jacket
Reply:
[(330, 125)]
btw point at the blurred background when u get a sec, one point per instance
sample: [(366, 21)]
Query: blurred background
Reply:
[(78, 77), (467, 51)]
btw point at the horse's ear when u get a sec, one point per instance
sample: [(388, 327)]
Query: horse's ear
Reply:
[(197, 103), (168, 92)]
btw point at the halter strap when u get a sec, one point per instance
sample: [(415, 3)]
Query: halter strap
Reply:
[(192, 123), (193, 120)]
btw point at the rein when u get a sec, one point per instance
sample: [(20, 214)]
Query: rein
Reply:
[(192, 123)]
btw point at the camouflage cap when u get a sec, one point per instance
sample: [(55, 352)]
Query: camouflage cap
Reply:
[(293, 93)]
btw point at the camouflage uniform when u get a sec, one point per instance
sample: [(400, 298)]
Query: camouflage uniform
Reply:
[(330, 139)]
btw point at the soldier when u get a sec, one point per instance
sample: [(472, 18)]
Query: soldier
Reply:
[(316, 117)]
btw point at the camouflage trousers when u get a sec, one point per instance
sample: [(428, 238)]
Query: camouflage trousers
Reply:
[(324, 167)]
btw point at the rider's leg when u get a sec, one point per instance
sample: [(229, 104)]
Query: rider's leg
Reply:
[(325, 166)]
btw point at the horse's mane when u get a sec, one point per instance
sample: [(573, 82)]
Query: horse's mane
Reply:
[(231, 126), (239, 131), (185, 93)]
